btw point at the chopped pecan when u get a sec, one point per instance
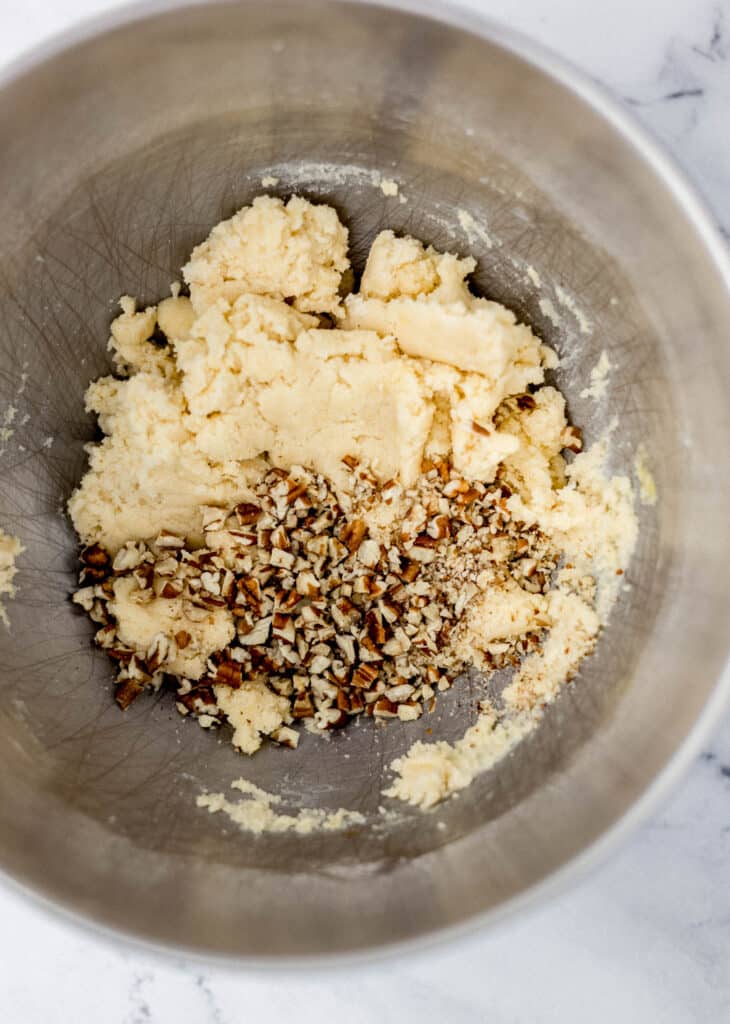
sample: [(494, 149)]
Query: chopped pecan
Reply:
[(95, 556), (182, 639), (409, 571), (247, 513), (126, 691), (302, 706), (364, 676), (228, 673), (384, 708), (352, 534), (573, 438)]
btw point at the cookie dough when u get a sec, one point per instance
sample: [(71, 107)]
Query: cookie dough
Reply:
[(416, 364), (269, 362)]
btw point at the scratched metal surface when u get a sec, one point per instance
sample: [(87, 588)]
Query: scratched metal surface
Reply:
[(119, 174)]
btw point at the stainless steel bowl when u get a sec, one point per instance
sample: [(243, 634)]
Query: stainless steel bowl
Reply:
[(121, 146)]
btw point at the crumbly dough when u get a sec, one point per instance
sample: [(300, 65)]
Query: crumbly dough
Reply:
[(430, 772), (268, 357), (498, 613), (253, 711), (10, 548), (256, 812), (591, 518), (574, 626), (599, 378)]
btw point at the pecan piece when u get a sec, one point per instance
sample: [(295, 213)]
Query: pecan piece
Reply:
[(126, 691), (352, 534), (182, 639), (247, 513), (384, 708), (302, 706), (228, 673), (96, 556), (409, 571), (375, 628), (364, 676), (573, 437)]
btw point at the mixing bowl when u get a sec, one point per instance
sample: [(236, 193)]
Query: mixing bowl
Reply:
[(122, 145)]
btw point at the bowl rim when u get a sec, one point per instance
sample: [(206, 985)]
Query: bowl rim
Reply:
[(689, 198)]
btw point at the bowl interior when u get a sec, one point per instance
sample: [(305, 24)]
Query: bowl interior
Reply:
[(118, 176)]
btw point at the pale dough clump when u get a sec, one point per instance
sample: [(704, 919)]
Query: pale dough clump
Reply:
[(10, 548), (257, 376), (294, 250), (269, 362), (421, 298), (149, 473), (253, 711), (138, 624)]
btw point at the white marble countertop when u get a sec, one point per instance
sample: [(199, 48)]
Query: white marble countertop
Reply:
[(646, 938)]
